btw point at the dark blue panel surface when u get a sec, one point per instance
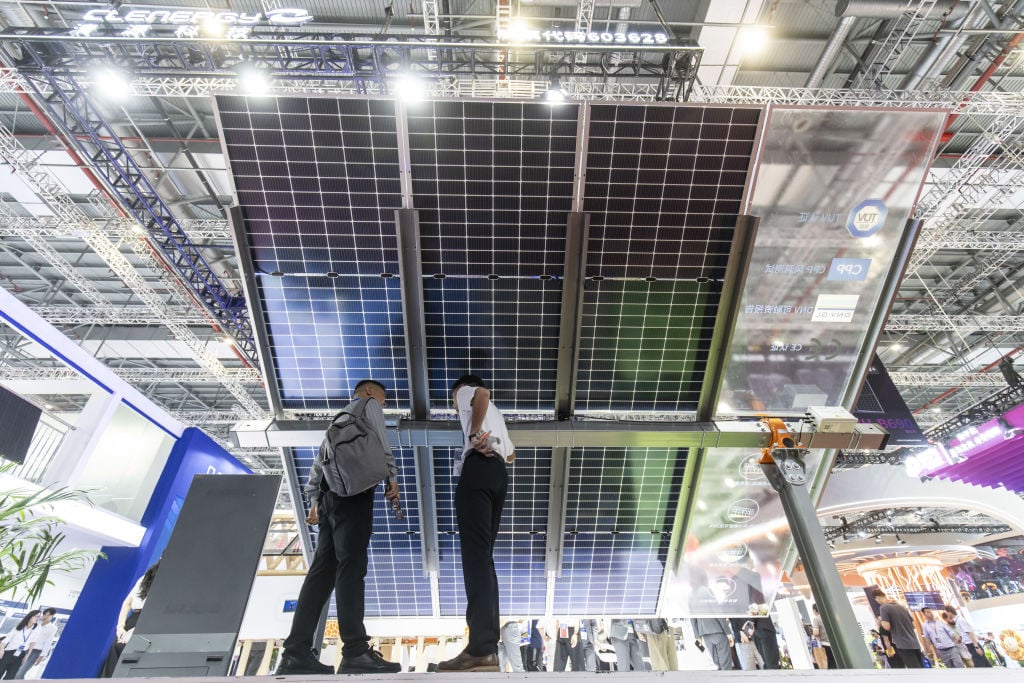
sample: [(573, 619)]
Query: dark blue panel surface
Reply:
[(644, 345), (395, 582), (610, 574), (504, 330), (327, 334)]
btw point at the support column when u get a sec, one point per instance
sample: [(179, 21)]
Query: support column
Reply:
[(788, 476)]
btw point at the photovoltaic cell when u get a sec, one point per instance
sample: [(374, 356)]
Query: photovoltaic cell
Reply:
[(493, 185), (620, 507), (505, 331), (395, 582), (643, 345), (663, 189), (317, 181), (520, 548)]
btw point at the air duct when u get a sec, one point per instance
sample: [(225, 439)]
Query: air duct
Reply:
[(945, 48), (835, 44), (894, 9)]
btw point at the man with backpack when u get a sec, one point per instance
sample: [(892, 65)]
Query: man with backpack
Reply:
[(353, 458), (479, 499)]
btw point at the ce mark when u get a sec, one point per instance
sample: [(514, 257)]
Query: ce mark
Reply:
[(825, 351)]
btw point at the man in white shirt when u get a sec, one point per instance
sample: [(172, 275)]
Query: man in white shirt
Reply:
[(42, 640), (479, 499), (967, 632), (943, 640)]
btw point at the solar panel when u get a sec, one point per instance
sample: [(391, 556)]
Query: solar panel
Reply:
[(621, 504), (520, 548), (493, 186), (663, 189), (395, 582), (318, 182)]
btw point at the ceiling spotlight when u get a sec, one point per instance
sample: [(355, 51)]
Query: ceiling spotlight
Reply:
[(49, 406), (752, 39), (111, 83), (409, 88), (554, 94), (212, 28), (253, 80)]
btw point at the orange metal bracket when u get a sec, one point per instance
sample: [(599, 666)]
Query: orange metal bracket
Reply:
[(781, 438)]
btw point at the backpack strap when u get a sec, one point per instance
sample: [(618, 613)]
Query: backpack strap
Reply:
[(358, 412)]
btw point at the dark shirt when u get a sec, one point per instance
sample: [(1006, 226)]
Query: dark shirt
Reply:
[(901, 626), (737, 624), (535, 639)]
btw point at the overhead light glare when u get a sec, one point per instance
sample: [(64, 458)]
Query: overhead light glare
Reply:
[(554, 95), (111, 84), (253, 81), (409, 88), (518, 31), (212, 28), (752, 39)]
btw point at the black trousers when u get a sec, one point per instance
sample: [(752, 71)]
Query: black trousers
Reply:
[(767, 645), (907, 659), (564, 651), (340, 565), (10, 663), (479, 498)]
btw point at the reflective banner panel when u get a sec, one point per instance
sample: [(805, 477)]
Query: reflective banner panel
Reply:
[(833, 190)]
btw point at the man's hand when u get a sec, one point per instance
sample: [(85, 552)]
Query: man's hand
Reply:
[(743, 637), (479, 443), (574, 640), (313, 518), (391, 492)]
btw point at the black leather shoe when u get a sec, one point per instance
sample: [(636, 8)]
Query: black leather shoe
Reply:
[(309, 665), (467, 662), (370, 662)]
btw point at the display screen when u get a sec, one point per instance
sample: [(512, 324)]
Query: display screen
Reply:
[(919, 600), (18, 420)]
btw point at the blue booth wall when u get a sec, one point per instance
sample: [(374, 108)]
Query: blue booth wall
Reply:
[(90, 630)]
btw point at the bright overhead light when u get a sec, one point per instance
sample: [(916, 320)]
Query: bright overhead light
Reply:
[(212, 28), (519, 31), (227, 340), (409, 88), (752, 39), (253, 80), (554, 95), (111, 84)]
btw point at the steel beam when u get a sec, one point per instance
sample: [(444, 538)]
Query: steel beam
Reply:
[(787, 476), (133, 375), (576, 238), (119, 316), (410, 269), (947, 379), (557, 501), (566, 434)]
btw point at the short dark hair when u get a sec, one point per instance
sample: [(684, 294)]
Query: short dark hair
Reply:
[(363, 382), (467, 381), (878, 593), (50, 610)]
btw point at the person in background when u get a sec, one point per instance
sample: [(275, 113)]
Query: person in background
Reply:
[(568, 647), (17, 644), (535, 661), (715, 634), (128, 617), (588, 635), (767, 642), (896, 619), (743, 637), (46, 633), (662, 644), (508, 647), (942, 640), (992, 648), (821, 635), (878, 650), (971, 641), (623, 637), (344, 524)]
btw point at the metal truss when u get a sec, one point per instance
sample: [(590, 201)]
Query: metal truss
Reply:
[(124, 316), (83, 125), (961, 324), (888, 51), (982, 411), (977, 240), (431, 21), (365, 61), (114, 227), (78, 223), (833, 532), (132, 375), (946, 379), (584, 15)]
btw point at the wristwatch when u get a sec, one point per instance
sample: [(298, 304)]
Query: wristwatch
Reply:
[(472, 437)]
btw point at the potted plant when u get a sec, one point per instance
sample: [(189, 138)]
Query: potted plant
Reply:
[(30, 539)]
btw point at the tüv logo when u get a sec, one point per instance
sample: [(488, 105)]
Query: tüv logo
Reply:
[(867, 218)]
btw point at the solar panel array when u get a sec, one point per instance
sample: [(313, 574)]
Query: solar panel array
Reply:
[(493, 183)]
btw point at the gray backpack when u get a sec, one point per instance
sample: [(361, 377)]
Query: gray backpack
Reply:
[(354, 457)]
